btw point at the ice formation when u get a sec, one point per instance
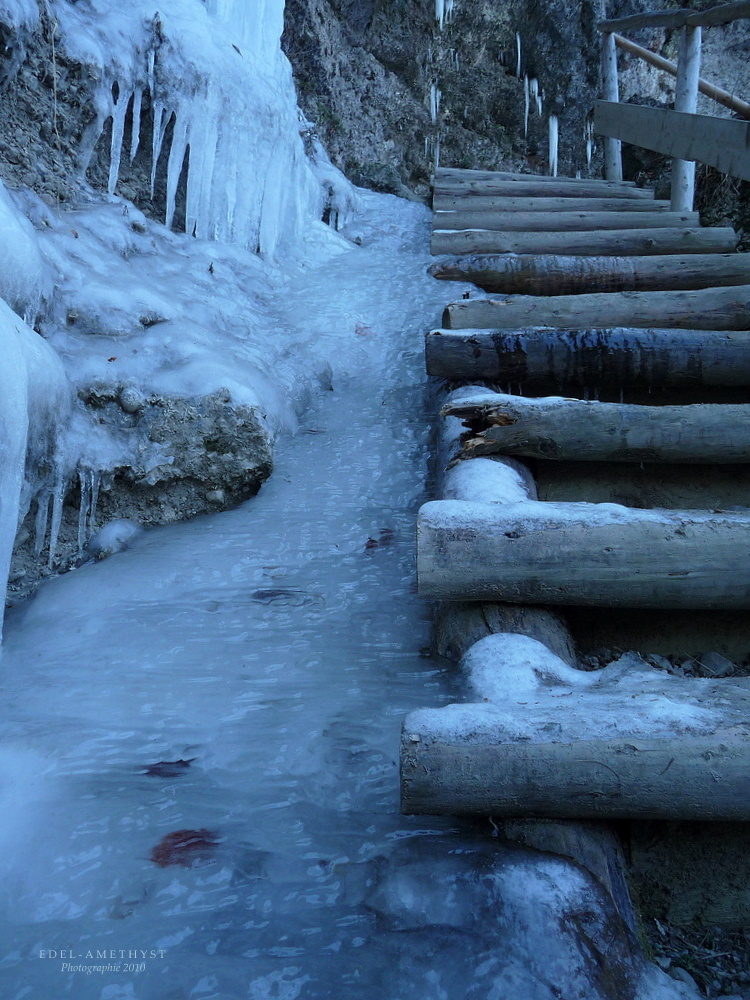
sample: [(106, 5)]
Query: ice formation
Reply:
[(34, 398), (221, 113), (434, 102), (553, 142)]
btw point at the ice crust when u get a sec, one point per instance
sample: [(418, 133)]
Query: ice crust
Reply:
[(525, 692)]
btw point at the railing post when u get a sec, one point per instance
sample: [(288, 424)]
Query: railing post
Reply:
[(686, 99), (612, 147)]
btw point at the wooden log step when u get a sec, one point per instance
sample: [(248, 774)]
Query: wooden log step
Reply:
[(499, 203), (585, 431), (708, 308), (447, 173), (601, 243), (531, 187), (600, 555), (619, 357), (549, 740), (555, 275), (559, 222)]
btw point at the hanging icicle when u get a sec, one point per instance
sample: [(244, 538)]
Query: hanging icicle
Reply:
[(434, 101), (518, 54), (526, 104), (553, 137)]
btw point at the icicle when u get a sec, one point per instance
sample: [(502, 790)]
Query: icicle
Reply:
[(40, 525), (535, 95), (96, 481), (57, 509), (118, 129), (518, 54), (434, 102), (526, 104), (174, 166), (553, 136), (440, 12), (437, 153), (135, 135), (160, 127), (83, 508), (588, 134)]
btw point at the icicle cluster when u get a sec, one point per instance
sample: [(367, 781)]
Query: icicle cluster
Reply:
[(443, 12), (222, 112)]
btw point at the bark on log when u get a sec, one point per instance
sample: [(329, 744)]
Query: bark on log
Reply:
[(585, 431), (690, 777), (621, 357), (459, 624), (600, 555), (602, 243), (708, 308), (560, 222), (542, 203), (554, 275)]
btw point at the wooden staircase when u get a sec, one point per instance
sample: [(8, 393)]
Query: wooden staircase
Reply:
[(596, 288)]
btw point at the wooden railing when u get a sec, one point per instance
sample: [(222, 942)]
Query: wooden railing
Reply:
[(723, 143)]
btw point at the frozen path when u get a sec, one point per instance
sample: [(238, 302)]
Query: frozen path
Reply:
[(278, 649)]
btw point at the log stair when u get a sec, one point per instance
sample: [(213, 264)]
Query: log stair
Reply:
[(588, 285)]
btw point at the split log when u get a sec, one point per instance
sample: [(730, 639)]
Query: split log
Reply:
[(560, 222), (498, 203), (687, 777), (708, 308), (550, 275), (602, 243), (601, 555), (621, 357), (584, 431)]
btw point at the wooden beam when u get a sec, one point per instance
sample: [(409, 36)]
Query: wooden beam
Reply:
[(560, 222), (556, 275), (686, 100), (720, 142), (614, 243), (707, 308), (502, 203), (682, 777), (619, 358), (587, 431), (550, 187), (723, 14), (600, 555), (723, 97), (461, 174), (611, 92)]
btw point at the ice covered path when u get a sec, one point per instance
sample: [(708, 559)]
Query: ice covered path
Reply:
[(200, 734)]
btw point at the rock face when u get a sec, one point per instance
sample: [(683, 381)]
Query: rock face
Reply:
[(186, 457)]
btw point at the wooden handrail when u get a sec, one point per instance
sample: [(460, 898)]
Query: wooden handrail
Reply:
[(723, 97), (724, 14)]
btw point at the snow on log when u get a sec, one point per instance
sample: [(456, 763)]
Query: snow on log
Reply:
[(601, 555), (707, 308), (588, 431), (557, 275), (560, 222), (618, 357), (588, 244), (551, 741), (508, 203)]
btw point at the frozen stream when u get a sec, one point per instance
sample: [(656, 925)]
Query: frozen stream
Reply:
[(277, 650)]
